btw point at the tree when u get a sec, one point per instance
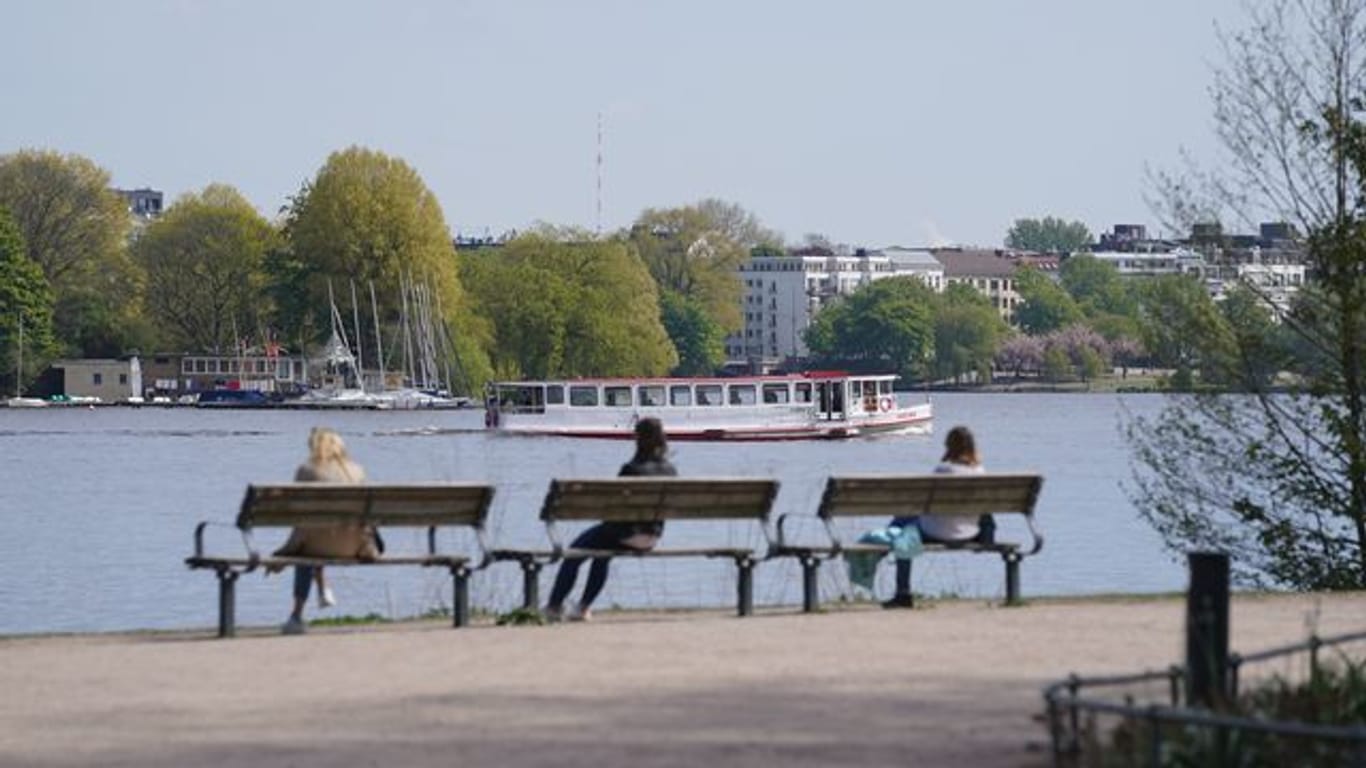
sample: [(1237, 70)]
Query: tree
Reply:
[(1278, 479), (563, 309), (886, 324), (967, 333), (1021, 353), (204, 261), (1046, 306), (368, 218), (24, 297), (696, 251), (1048, 234), (75, 228), (1096, 286), (697, 338), (1180, 324)]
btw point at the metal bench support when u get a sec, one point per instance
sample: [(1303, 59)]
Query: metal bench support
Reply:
[(810, 598), (1012, 559), (531, 584), (745, 585), (227, 602), (460, 602)]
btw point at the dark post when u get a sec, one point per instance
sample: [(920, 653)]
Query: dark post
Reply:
[(531, 592), (227, 603), (460, 600), (1207, 630), (809, 568), (745, 586)]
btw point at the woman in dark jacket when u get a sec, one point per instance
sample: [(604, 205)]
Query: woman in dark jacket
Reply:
[(650, 459)]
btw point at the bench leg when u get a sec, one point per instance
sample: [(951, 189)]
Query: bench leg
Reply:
[(460, 600), (531, 584), (1012, 578), (745, 587), (810, 598), (227, 603)]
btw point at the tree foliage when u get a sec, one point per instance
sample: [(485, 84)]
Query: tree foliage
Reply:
[(697, 339), (1045, 305), (204, 261), (967, 333), (1048, 234), (887, 324), (75, 228), (1278, 478), (564, 309), (24, 297), (368, 218)]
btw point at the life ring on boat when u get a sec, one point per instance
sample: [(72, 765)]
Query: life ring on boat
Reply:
[(885, 404)]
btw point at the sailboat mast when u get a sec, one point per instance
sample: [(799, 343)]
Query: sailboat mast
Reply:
[(360, 354), (379, 343)]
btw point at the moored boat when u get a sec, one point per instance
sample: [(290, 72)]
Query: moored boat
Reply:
[(806, 406)]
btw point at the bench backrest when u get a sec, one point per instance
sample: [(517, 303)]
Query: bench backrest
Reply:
[(930, 494), (647, 499), (421, 505)]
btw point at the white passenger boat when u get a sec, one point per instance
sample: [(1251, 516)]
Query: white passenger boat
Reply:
[(812, 405)]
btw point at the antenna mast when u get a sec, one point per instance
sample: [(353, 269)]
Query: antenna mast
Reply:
[(599, 217)]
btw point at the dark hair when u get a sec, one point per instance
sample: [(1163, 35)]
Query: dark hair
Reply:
[(960, 448), (651, 444)]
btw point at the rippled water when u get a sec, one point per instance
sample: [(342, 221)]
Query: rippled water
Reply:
[(97, 507)]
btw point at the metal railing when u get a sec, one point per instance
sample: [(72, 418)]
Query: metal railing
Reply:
[(1166, 730)]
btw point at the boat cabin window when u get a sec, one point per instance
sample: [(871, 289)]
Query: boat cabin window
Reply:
[(583, 395), (616, 397), (775, 393), (884, 387), (554, 394), (803, 390), (680, 395), (521, 399), (652, 395), (708, 394), (742, 394)]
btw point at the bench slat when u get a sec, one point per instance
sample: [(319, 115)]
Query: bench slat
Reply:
[(931, 494), (633, 499), (312, 504)]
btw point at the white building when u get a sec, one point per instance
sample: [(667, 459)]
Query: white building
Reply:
[(782, 293), (1177, 261)]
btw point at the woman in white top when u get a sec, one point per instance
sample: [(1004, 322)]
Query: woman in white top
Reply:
[(960, 457)]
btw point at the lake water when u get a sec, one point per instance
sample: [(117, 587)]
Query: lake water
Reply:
[(98, 507)]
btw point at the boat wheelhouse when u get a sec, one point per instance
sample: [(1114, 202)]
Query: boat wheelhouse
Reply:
[(812, 405)]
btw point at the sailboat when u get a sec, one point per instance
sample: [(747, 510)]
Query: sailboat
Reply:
[(19, 401)]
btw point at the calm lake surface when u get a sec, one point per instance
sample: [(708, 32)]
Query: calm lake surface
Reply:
[(98, 507)]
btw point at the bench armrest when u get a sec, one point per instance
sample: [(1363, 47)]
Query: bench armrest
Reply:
[(1034, 532), (247, 542)]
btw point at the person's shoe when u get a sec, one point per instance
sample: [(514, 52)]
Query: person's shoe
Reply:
[(294, 626), (899, 601), (553, 613), (325, 598), (581, 614)]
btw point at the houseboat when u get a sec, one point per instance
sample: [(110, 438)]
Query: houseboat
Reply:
[(812, 405)]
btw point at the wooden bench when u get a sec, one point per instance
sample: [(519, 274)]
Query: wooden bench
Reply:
[(651, 499), (431, 506), (889, 496)]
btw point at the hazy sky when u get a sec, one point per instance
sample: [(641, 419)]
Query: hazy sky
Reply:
[(874, 123)]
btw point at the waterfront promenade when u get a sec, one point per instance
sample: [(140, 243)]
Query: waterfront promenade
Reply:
[(957, 683)]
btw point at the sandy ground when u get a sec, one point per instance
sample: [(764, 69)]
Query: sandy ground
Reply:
[(955, 683)]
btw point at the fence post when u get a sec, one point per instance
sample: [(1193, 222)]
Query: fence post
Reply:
[(1207, 630)]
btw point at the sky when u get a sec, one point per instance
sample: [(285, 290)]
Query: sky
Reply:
[(870, 123)]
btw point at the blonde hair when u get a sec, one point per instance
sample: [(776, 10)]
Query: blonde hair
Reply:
[(325, 447)]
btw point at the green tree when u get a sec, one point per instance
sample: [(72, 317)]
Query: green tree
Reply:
[(1278, 478), (696, 251), (968, 332), (887, 324), (204, 261), (565, 309), (697, 338), (368, 219), (75, 228), (1045, 305), (1048, 234), (1096, 286), (1182, 328), (24, 297)]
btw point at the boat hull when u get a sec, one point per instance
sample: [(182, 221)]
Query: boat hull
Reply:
[(907, 420)]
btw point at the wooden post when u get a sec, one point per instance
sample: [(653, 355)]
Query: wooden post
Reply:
[(1207, 630)]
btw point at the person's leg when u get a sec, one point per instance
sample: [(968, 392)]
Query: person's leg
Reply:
[(597, 577), (564, 581), (325, 597), (901, 596), (303, 582)]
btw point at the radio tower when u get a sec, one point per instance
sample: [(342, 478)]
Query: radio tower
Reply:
[(599, 216)]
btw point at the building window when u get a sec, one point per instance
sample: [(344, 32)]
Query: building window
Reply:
[(97, 379), (123, 379)]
